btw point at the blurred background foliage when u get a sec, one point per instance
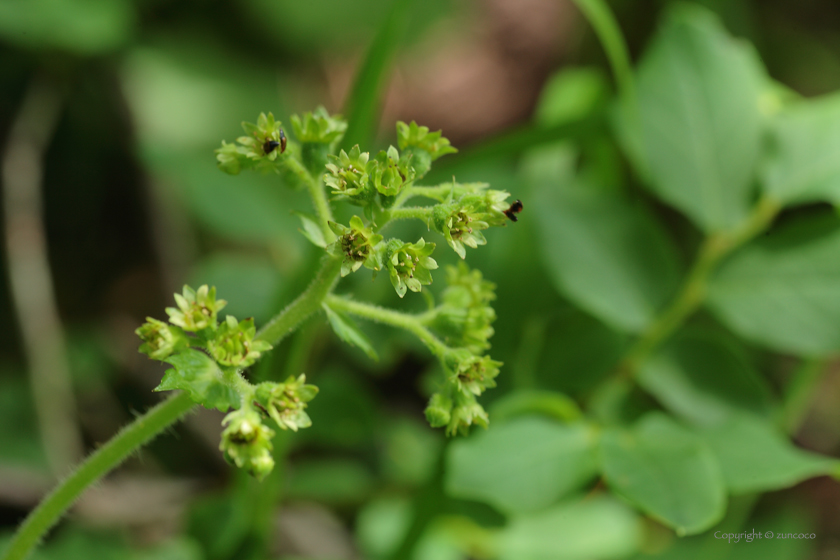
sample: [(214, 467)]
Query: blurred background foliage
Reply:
[(134, 207)]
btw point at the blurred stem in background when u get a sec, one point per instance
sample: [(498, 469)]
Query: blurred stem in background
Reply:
[(30, 277)]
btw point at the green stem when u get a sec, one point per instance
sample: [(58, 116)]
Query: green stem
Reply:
[(305, 305), (799, 391), (392, 318), (97, 465), (413, 213), (316, 193), (609, 33), (693, 291), (439, 193)]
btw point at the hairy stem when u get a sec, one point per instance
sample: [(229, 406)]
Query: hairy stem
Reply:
[(389, 317), (316, 193), (439, 193), (97, 465), (305, 305), (30, 278)]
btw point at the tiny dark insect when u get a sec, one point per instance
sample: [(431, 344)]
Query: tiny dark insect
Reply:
[(514, 209), (270, 145)]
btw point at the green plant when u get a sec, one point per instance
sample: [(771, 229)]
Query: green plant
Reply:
[(209, 355)]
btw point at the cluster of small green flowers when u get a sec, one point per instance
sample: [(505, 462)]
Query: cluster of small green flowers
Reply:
[(380, 185), (208, 358)]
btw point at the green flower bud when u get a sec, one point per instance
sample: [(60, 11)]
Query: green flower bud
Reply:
[(409, 265), (246, 442), (389, 172), (234, 343), (471, 373), (229, 158), (317, 132), (439, 411), (196, 310), (319, 127), (465, 317), (356, 243), (285, 402), (465, 413), (424, 146), (159, 339)]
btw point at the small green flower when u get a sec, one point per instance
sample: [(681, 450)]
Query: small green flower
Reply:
[(285, 402), (456, 411), (423, 146), (462, 221), (389, 172), (348, 176), (465, 413), (196, 310), (234, 343), (471, 373), (246, 442), (260, 148), (356, 243), (159, 339), (319, 127), (409, 265)]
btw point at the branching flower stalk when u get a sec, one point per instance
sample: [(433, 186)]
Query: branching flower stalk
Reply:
[(209, 353)]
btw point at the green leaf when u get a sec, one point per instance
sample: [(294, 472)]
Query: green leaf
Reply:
[(608, 256), (698, 93), (783, 291), (705, 379), (754, 457), (349, 332), (311, 230), (197, 374), (571, 94), (592, 528), (549, 404), (522, 465), (363, 103), (805, 162), (667, 472)]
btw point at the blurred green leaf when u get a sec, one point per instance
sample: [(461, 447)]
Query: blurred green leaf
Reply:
[(607, 255), (783, 291), (248, 283), (381, 524), (571, 94), (666, 471), (705, 379), (698, 93), (362, 106), (522, 465), (804, 165), (333, 481), (549, 404), (410, 452), (348, 331), (754, 457), (596, 527), (346, 411), (84, 27)]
